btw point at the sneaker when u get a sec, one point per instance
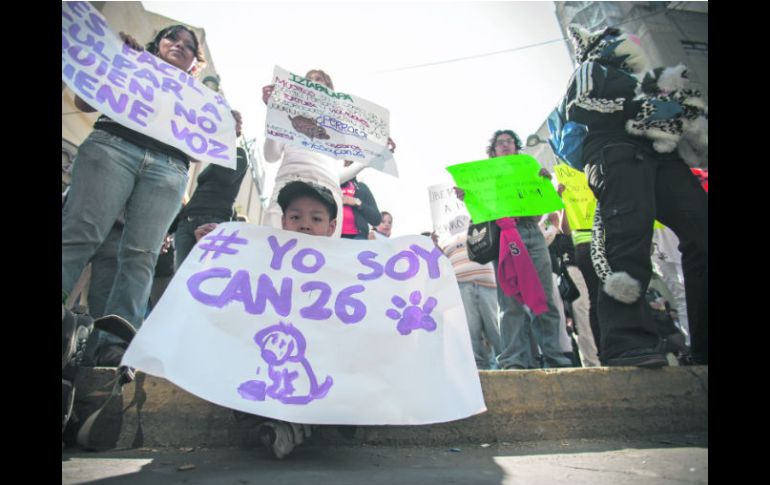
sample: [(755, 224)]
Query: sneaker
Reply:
[(649, 358), (277, 438), (281, 437)]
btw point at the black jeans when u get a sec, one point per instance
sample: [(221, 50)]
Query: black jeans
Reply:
[(355, 236), (634, 187)]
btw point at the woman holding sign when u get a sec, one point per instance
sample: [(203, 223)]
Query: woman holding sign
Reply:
[(524, 278), (119, 169), (306, 165)]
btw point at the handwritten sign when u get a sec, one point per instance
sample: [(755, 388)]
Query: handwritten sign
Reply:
[(309, 115), (505, 187), (142, 92), (449, 215), (579, 200), (317, 330)]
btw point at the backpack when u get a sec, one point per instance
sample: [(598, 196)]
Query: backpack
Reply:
[(566, 138)]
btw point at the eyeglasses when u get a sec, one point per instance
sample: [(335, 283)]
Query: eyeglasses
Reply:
[(504, 141)]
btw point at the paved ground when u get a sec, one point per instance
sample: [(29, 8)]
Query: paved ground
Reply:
[(658, 461)]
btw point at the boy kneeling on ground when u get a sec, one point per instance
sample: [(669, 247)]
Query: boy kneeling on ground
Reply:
[(310, 209)]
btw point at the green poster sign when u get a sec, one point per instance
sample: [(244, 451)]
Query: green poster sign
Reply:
[(506, 186)]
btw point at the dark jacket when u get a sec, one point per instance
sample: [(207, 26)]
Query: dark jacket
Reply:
[(217, 189), (368, 213)]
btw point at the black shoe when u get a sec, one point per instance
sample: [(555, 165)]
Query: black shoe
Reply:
[(649, 358)]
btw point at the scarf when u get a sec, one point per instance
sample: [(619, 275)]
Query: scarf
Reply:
[(516, 274)]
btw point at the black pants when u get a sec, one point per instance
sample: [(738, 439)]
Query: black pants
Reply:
[(355, 236), (634, 187)]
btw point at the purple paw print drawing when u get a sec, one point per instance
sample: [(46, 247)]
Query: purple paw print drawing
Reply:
[(413, 317)]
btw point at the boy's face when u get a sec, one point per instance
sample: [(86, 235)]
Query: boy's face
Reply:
[(308, 215)]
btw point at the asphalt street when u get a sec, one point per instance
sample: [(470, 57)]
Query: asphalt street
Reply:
[(648, 461)]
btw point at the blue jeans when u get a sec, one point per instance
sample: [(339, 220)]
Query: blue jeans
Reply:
[(516, 322), (184, 237), (481, 311), (104, 267), (110, 175)]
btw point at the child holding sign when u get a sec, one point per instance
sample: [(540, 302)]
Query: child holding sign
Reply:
[(310, 209)]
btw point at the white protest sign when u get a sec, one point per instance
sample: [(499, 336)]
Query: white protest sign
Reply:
[(449, 215), (316, 330), (309, 115), (142, 92)]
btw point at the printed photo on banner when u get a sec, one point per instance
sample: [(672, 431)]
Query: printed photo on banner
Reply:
[(310, 115), (449, 214), (315, 330), (505, 186), (142, 92)]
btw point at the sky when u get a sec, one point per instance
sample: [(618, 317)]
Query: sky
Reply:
[(395, 54)]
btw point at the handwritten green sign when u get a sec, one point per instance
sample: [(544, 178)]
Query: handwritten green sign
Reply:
[(506, 186), (579, 201)]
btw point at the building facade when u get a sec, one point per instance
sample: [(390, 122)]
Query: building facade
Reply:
[(670, 33)]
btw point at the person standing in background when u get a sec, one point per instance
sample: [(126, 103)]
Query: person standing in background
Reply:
[(359, 209), (382, 230)]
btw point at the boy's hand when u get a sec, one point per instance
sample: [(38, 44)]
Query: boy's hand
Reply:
[(201, 231), (166, 244)]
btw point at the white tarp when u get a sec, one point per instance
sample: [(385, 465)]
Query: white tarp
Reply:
[(142, 92), (315, 330), (309, 115)]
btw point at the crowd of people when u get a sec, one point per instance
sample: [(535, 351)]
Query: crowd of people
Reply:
[(125, 210)]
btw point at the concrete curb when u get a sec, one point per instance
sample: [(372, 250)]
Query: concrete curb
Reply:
[(521, 406)]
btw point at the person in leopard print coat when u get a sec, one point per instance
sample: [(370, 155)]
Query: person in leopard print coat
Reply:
[(635, 183)]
